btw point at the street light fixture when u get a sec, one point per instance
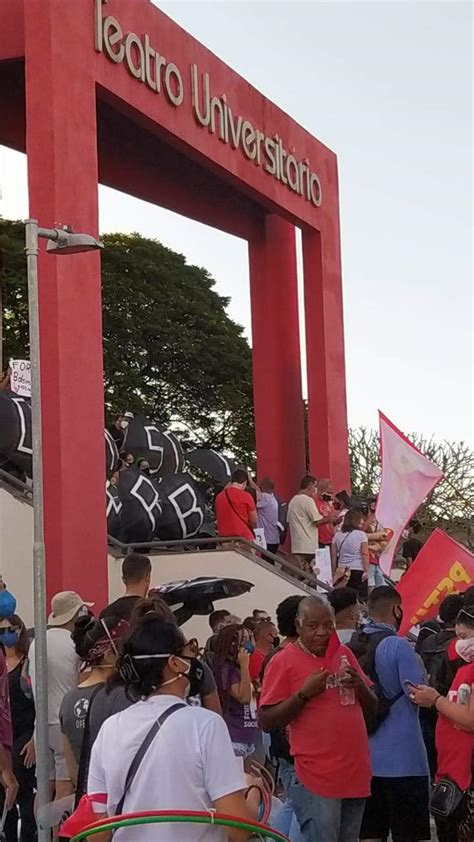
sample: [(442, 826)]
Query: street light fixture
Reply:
[(60, 241)]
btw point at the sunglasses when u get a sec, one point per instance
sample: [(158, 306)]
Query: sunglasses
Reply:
[(8, 629)]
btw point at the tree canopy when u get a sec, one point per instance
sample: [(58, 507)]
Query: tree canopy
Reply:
[(450, 505), (170, 349)]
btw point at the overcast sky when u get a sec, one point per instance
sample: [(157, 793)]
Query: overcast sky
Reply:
[(388, 87)]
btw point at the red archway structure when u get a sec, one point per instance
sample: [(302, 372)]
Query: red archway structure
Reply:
[(115, 92)]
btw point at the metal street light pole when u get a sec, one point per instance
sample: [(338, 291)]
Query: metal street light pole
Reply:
[(61, 241)]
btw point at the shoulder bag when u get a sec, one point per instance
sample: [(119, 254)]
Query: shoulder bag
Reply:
[(136, 762)]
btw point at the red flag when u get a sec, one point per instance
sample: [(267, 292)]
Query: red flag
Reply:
[(407, 478), (441, 567)]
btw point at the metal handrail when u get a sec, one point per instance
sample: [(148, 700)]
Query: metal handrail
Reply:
[(193, 544), (270, 559), (17, 484)]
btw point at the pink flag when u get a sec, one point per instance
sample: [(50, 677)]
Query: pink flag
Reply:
[(407, 478)]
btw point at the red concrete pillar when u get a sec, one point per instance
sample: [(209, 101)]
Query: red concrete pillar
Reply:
[(279, 417), (62, 178), (327, 411)]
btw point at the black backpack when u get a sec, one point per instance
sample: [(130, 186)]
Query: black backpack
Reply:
[(364, 647), (433, 652)]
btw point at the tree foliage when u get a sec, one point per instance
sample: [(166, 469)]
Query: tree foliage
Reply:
[(450, 505), (170, 349)]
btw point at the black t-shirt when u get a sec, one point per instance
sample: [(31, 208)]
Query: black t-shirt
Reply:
[(411, 548), (122, 608)]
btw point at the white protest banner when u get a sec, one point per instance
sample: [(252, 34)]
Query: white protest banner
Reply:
[(20, 377), (322, 566), (260, 538)]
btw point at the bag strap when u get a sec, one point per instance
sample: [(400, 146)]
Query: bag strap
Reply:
[(338, 549), (234, 509), (85, 751), (136, 762)]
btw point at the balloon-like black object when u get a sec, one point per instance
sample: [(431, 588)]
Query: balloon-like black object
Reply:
[(15, 430), (113, 510), (141, 506), (197, 596), (183, 508), (146, 440), (112, 459), (218, 466)]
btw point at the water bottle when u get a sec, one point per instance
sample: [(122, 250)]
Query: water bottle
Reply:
[(346, 694), (464, 694)]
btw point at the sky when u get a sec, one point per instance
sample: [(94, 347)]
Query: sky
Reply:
[(388, 86)]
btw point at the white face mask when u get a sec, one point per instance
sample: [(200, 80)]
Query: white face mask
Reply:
[(124, 424), (180, 675)]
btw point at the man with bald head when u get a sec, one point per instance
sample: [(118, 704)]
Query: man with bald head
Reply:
[(304, 690)]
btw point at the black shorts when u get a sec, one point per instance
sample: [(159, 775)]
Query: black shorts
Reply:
[(399, 806)]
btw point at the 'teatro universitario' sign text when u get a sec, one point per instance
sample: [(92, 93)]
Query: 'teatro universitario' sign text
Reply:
[(147, 65)]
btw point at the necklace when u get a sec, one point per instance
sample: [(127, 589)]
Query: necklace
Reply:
[(305, 650)]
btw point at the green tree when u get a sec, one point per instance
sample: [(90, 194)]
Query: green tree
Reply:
[(170, 349), (450, 505)]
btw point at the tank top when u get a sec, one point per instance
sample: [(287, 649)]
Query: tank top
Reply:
[(21, 703)]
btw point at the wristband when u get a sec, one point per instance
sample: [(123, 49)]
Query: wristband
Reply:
[(303, 697), (436, 701)]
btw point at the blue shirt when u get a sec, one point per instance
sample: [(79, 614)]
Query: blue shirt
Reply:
[(397, 747)]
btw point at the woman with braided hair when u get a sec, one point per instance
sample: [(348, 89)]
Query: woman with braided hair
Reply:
[(181, 756), (231, 671), (96, 643)]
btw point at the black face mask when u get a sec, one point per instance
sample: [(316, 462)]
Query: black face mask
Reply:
[(327, 497), (276, 642)]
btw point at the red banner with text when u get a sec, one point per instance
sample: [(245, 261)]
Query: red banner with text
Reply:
[(441, 567)]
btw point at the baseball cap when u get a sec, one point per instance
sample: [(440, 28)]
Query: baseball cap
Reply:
[(63, 607)]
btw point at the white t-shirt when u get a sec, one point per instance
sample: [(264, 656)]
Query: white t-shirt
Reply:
[(349, 548), (63, 669), (303, 515), (188, 766)]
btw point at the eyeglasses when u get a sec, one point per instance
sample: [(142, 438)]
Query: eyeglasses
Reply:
[(191, 644)]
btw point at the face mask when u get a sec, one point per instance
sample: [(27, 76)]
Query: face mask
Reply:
[(327, 497), (465, 649), (10, 638), (276, 642), (124, 425), (249, 647), (193, 673)]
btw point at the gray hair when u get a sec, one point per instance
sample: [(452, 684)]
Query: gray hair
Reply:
[(312, 602)]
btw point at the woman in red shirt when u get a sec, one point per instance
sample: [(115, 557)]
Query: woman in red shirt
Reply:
[(455, 740)]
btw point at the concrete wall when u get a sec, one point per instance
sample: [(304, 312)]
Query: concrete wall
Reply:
[(16, 547), (268, 587), (16, 541)]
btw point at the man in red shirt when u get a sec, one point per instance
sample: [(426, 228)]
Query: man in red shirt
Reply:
[(325, 504), (266, 639), (307, 687), (236, 514)]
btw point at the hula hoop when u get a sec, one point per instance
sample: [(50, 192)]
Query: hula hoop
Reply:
[(178, 816)]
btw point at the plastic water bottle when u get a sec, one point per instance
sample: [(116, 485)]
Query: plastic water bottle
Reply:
[(464, 694), (346, 694)]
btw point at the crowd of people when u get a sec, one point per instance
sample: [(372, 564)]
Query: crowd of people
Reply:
[(317, 519), (322, 721)]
